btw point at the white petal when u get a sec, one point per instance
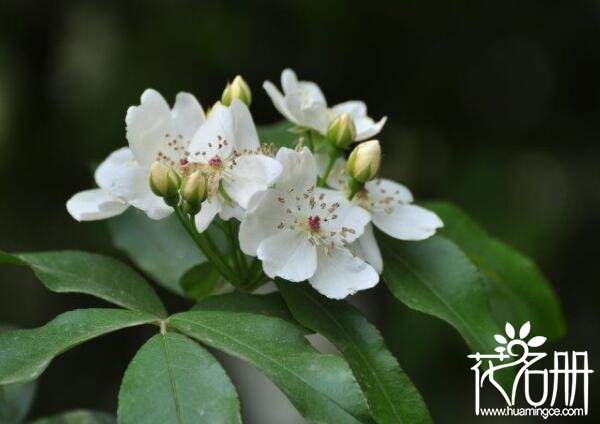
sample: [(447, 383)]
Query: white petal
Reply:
[(407, 222), (278, 101), (355, 108), (289, 255), (231, 211), (367, 248), (208, 210), (147, 125), (215, 137), (187, 115), (349, 216), (244, 129), (340, 274), (251, 173), (91, 205), (260, 221), (307, 110), (289, 80), (367, 128), (380, 189), (299, 170), (114, 169)]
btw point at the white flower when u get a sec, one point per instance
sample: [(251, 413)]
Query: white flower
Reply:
[(391, 209), (303, 103), (226, 148), (154, 131), (301, 232)]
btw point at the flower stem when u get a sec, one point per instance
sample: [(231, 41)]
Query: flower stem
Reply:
[(328, 169), (208, 248)]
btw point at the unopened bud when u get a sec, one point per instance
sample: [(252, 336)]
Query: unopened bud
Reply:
[(238, 89), (165, 182), (193, 191), (342, 132), (363, 163)]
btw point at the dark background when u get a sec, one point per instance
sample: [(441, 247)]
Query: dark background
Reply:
[(494, 105)]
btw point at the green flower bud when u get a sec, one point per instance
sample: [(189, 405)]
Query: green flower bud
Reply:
[(165, 182), (341, 132), (363, 163), (193, 191), (237, 89)]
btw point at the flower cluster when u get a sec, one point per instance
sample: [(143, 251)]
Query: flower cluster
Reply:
[(305, 213)]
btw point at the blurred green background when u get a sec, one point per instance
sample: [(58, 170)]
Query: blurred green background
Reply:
[(494, 105)]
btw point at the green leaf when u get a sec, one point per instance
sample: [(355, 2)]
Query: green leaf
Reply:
[(200, 281), (162, 248), (280, 134), (100, 276), (78, 417), (390, 393), (174, 380), (257, 330), (15, 399), (25, 354), (434, 276), (519, 292)]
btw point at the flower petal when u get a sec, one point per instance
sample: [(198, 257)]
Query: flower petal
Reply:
[(208, 210), (367, 248), (350, 220), (95, 204), (278, 101), (367, 128), (407, 222), (244, 129), (289, 81), (187, 115), (340, 274), (114, 170), (260, 221), (299, 170), (381, 189), (147, 126), (251, 173), (215, 137), (289, 255)]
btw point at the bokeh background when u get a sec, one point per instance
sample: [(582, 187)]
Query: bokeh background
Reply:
[(494, 105)]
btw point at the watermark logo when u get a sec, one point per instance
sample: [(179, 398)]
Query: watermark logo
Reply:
[(559, 385)]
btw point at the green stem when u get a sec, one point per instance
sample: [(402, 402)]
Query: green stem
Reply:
[(323, 180), (208, 248)]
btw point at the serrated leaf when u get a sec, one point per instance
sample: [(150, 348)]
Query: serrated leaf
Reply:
[(280, 134), (71, 271), (173, 380), (78, 417), (25, 354), (162, 248), (525, 329), (536, 341), (200, 281), (434, 276), (519, 292), (509, 330), (389, 392), (321, 386), (15, 399)]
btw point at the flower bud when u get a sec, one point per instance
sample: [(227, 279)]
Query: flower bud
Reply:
[(341, 132), (363, 163), (193, 191), (237, 89), (165, 182)]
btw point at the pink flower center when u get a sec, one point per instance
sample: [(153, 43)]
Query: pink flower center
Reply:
[(314, 222), (183, 162), (215, 162)]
